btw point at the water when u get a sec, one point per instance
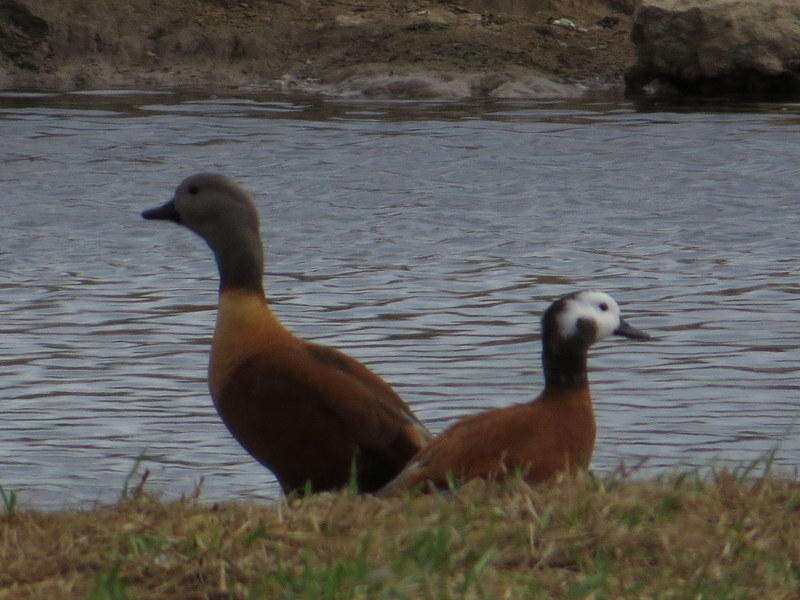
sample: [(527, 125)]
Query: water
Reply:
[(422, 238)]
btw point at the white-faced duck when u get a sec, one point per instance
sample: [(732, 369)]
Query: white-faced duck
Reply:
[(552, 434)]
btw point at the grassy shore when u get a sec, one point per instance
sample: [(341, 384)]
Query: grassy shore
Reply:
[(727, 535)]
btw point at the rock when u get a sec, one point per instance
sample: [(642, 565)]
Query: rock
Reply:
[(716, 47), (436, 18), (23, 35), (350, 20), (564, 22)]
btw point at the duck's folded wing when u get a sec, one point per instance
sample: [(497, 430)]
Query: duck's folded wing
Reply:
[(310, 392), (362, 397)]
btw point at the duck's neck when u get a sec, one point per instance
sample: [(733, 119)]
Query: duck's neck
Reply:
[(564, 365), (240, 260), (243, 311)]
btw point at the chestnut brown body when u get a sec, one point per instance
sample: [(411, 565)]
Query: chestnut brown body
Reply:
[(539, 439)]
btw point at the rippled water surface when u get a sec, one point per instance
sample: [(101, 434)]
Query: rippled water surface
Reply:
[(424, 239)]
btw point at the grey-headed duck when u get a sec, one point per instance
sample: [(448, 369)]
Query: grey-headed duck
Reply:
[(309, 413)]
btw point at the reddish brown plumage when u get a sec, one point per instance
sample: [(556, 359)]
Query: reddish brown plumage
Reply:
[(308, 419), (303, 410), (540, 439)]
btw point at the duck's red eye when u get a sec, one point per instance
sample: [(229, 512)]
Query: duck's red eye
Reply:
[(603, 306), (193, 189)]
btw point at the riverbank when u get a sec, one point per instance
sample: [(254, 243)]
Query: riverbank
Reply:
[(370, 48), (727, 536)]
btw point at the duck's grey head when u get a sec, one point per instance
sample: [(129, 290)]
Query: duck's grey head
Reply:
[(210, 205), (587, 317), (220, 212)]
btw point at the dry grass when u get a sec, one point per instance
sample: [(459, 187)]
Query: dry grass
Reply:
[(725, 536)]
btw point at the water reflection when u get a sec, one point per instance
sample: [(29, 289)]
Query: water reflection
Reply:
[(424, 239)]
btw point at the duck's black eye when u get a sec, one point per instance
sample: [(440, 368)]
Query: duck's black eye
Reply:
[(193, 189), (603, 306)]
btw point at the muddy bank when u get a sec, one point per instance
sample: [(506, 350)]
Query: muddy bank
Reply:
[(373, 48)]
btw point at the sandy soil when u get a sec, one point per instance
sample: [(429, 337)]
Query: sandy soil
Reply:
[(374, 48)]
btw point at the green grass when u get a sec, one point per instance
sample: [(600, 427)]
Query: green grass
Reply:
[(108, 586), (9, 499)]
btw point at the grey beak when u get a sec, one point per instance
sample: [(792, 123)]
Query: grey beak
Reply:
[(164, 212), (629, 331)]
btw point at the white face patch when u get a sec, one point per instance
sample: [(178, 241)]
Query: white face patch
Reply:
[(592, 305)]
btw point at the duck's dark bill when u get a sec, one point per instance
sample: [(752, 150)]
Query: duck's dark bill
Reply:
[(166, 212), (629, 331)]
